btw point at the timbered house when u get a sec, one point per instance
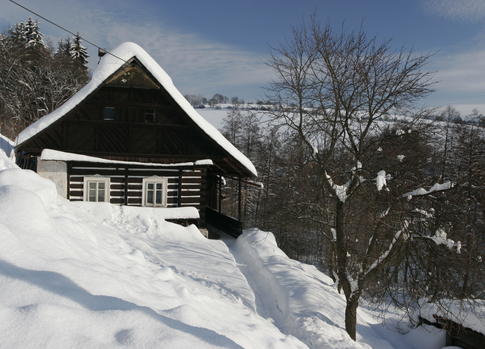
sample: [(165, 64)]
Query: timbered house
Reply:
[(129, 137)]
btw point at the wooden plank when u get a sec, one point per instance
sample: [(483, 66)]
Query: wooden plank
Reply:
[(152, 174), (184, 186), (120, 200), (173, 200), (190, 193), (191, 180), (120, 193), (136, 201), (77, 179), (134, 194), (76, 193), (92, 172)]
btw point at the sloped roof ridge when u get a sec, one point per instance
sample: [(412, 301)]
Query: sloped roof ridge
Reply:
[(108, 65)]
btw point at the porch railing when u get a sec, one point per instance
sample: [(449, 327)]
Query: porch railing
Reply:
[(223, 223)]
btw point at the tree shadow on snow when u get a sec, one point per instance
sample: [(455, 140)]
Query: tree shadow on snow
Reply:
[(63, 286)]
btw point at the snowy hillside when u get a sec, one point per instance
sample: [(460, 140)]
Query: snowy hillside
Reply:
[(90, 275)]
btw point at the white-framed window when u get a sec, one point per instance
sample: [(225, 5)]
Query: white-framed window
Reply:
[(96, 189), (154, 191)]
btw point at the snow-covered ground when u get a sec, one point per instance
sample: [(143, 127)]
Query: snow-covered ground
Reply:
[(88, 275)]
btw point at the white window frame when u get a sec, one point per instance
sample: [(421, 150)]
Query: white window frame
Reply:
[(98, 179), (155, 180)]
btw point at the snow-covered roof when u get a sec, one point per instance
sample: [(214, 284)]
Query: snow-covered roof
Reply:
[(6, 144), (108, 65), (49, 154)]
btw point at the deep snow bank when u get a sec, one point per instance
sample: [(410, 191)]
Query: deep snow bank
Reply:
[(305, 303), (471, 316), (7, 155), (301, 299), (90, 275)]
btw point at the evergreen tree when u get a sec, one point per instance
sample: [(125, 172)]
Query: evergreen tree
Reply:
[(64, 48), (78, 52), (33, 36), (17, 33)]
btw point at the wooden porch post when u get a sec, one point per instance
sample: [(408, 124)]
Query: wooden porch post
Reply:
[(239, 199), (179, 189), (68, 195), (219, 199), (126, 186)]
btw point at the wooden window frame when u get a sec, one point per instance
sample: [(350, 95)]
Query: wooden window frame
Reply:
[(152, 113), (115, 113), (155, 180), (98, 179)]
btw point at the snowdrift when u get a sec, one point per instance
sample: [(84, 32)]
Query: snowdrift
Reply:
[(305, 303), (301, 299), (94, 275)]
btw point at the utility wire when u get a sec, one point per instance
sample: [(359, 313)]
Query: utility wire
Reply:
[(66, 30)]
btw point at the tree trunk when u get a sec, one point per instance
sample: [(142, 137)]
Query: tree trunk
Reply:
[(351, 316), (352, 298)]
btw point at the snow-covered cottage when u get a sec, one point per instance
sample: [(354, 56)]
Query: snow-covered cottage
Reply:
[(129, 137)]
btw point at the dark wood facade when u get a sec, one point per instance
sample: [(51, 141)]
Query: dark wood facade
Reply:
[(146, 125), (187, 185)]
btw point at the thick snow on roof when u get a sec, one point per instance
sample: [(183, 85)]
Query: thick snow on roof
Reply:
[(6, 144), (49, 154), (108, 65)]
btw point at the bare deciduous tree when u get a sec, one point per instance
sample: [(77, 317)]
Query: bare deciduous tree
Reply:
[(333, 89)]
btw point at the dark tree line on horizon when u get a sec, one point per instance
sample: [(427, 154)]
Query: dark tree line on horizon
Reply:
[(36, 77)]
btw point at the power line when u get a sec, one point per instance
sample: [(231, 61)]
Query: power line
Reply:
[(66, 30)]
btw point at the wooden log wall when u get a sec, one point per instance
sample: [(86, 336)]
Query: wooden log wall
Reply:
[(186, 186)]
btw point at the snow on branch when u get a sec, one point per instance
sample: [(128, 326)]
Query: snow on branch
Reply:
[(435, 188), (340, 190), (441, 238), (386, 253), (381, 180)]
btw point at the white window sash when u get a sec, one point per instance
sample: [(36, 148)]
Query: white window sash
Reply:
[(163, 191), (96, 180)]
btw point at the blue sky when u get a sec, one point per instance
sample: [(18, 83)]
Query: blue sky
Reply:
[(221, 46)]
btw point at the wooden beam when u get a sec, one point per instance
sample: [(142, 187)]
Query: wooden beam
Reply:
[(219, 203), (239, 199), (126, 186), (179, 189), (68, 173)]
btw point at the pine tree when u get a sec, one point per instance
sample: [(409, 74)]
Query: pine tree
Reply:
[(17, 33), (64, 48), (33, 37), (78, 52)]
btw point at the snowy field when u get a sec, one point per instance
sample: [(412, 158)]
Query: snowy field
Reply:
[(84, 275)]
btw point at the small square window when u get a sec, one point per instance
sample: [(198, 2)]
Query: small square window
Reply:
[(155, 192), (150, 116), (96, 189), (109, 114)]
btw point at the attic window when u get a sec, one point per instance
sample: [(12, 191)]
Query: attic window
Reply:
[(109, 113), (150, 116)]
